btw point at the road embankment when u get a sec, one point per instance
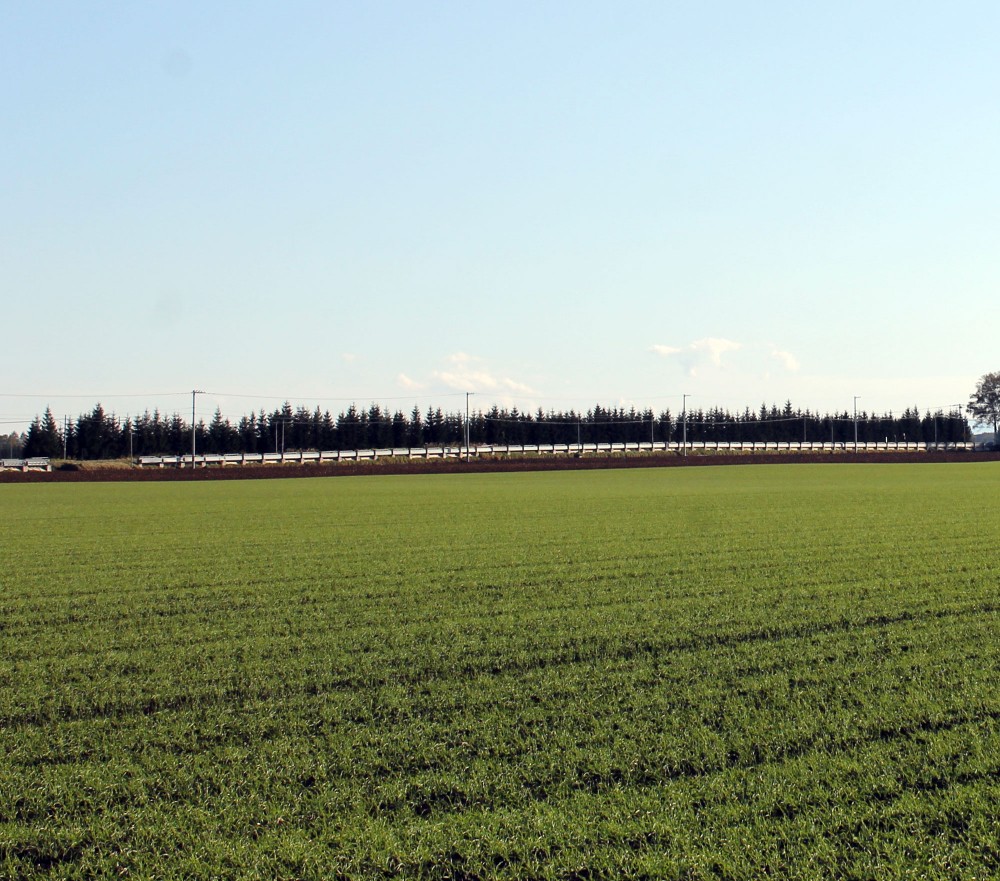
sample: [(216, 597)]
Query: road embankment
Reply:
[(94, 472)]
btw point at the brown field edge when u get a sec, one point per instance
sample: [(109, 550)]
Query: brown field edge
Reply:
[(93, 472)]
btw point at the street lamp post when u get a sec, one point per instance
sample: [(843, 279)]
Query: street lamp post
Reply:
[(856, 422), (467, 396), (283, 420), (194, 394), (955, 407), (685, 422)]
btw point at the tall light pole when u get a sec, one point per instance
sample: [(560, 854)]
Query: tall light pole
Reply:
[(194, 394), (684, 410), (954, 407), (856, 422), (284, 421), (467, 396)]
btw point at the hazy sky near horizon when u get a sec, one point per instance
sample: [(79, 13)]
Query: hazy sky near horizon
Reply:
[(549, 204)]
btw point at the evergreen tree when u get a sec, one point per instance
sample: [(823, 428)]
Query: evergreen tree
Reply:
[(34, 445), (379, 427), (349, 429), (97, 435), (328, 433), (398, 438), (177, 436), (415, 431), (246, 431), (221, 437), (44, 438), (494, 428)]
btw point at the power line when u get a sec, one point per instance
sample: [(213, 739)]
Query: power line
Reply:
[(319, 398), (97, 397)]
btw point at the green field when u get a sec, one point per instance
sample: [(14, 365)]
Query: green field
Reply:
[(784, 671)]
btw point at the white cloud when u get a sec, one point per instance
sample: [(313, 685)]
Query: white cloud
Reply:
[(787, 360), (707, 351), (462, 358), (703, 356), (410, 384), (515, 387), (349, 357), (470, 373), (715, 347), (481, 381)]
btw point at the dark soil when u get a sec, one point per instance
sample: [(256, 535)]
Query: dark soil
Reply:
[(93, 472)]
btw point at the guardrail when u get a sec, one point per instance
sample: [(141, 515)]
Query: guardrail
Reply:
[(302, 457), (37, 463)]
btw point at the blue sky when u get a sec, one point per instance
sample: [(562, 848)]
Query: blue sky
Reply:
[(549, 204)]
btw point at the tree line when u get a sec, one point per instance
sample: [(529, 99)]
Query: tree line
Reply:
[(12, 445), (103, 435)]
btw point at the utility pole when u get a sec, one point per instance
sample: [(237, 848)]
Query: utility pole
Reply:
[(956, 409), (856, 422), (194, 393), (65, 434), (467, 396), (282, 420), (685, 423)]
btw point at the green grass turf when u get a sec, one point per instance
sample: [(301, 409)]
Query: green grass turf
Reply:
[(786, 671)]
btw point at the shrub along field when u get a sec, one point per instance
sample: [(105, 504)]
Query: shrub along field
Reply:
[(788, 671)]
